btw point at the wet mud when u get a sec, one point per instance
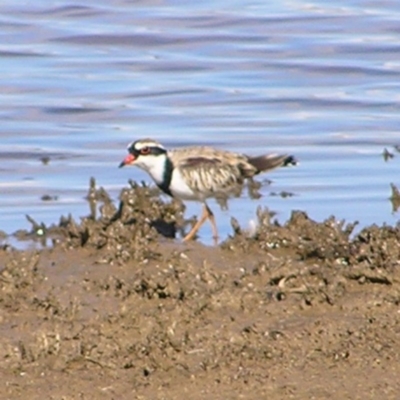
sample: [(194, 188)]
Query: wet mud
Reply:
[(112, 306)]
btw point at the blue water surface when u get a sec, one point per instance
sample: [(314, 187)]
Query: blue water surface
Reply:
[(79, 80)]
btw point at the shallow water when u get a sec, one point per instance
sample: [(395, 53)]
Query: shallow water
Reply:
[(79, 80)]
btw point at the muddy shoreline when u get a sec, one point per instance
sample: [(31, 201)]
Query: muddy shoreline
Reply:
[(116, 308)]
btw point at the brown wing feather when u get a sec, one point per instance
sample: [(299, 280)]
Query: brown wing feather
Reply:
[(211, 175), (199, 161), (215, 173)]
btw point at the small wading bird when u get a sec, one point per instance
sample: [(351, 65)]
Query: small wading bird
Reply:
[(199, 172)]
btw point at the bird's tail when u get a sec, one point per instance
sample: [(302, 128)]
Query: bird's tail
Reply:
[(271, 161)]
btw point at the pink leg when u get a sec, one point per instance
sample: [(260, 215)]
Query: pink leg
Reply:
[(206, 214), (211, 218)]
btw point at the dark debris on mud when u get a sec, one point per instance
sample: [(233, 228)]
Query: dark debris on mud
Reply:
[(271, 313), (125, 230), (329, 243)]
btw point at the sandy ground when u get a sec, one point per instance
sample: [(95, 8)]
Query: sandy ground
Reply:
[(115, 310)]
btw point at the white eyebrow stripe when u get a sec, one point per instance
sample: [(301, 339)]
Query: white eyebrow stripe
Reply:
[(140, 145)]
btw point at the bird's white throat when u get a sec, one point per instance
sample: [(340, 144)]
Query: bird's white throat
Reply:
[(154, 165)]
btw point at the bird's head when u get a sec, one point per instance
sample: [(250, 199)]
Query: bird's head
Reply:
[(145, 154)]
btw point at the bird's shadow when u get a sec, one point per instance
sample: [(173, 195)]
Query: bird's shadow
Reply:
[(166, 229)]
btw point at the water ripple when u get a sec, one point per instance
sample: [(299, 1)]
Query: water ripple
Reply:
[(320, 80)]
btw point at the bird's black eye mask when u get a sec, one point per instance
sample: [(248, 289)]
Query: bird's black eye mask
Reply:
[(147, 150)]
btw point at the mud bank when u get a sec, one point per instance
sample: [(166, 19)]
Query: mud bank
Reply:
[(115, 308)]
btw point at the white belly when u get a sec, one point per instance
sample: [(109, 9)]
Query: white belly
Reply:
[(181, 190)]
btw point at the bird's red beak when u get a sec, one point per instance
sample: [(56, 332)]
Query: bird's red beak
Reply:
[(129, 159)]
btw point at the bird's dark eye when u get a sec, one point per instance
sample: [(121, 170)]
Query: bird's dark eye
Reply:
[(145, 150)]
